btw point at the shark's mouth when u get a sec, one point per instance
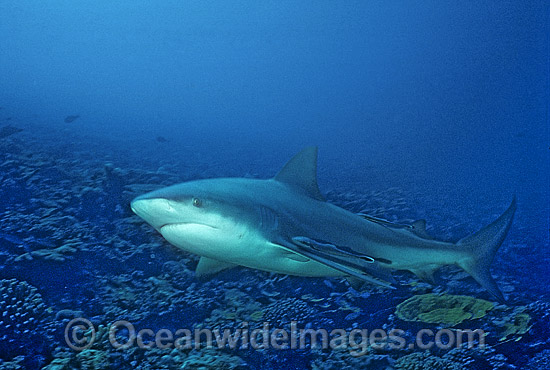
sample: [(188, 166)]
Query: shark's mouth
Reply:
[(182, 226), (192, 236)]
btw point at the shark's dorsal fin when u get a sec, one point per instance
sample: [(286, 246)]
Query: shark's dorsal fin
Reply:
[(301, 172)]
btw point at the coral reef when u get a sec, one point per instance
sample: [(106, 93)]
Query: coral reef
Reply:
[(425, 361), (341, 359), (65, 226), (540, 361), (213, 360), (482, 357), (18, 363)]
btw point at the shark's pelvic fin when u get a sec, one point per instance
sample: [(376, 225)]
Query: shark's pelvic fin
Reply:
[(301, 173), (356, 283), (209, 266), (482, 247)]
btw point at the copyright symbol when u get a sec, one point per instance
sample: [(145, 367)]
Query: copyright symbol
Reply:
[(79, 334)]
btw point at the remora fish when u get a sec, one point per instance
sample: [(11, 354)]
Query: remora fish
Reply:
[(284, 225)]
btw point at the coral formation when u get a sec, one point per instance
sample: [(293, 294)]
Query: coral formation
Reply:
[(445, 309), (425, 361), (280, 313), (341, 359), (540, 361), (18, 363), (23, 314), (213, 360), (514, 325), (482, 357)]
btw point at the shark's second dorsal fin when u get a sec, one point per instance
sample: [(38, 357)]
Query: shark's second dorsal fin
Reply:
[(301, 172), (419, 228)]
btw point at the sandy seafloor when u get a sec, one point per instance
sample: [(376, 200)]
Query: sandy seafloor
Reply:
[(71, 247)]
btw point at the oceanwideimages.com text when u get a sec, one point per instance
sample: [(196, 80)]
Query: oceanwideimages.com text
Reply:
[(81, 334)]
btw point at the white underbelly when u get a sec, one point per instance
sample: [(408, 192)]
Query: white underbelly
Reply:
[(274, 258), (242, 246)]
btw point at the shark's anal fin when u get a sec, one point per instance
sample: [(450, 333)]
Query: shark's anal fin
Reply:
[(301, 173), (208, 266), (426, 273)]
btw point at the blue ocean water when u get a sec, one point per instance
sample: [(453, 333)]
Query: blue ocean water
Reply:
[(433, 110)]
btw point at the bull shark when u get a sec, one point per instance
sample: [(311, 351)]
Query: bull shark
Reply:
[(284, 225)]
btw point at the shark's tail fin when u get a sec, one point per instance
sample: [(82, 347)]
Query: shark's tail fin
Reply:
[(483, 246)]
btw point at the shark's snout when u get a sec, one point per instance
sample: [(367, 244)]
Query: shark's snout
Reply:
[(155, 211), (139, 206)]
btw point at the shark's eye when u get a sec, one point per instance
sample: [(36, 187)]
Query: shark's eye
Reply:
[(197, 202)]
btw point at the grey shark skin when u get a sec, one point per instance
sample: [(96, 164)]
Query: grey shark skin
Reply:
[(284, 225)]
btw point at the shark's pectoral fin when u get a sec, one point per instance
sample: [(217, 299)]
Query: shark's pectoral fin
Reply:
[(363, 269), (209, 266)]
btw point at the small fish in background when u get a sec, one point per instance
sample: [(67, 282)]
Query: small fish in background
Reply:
[(70, 119), (8, 131), (8, 119), (162, 139)]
